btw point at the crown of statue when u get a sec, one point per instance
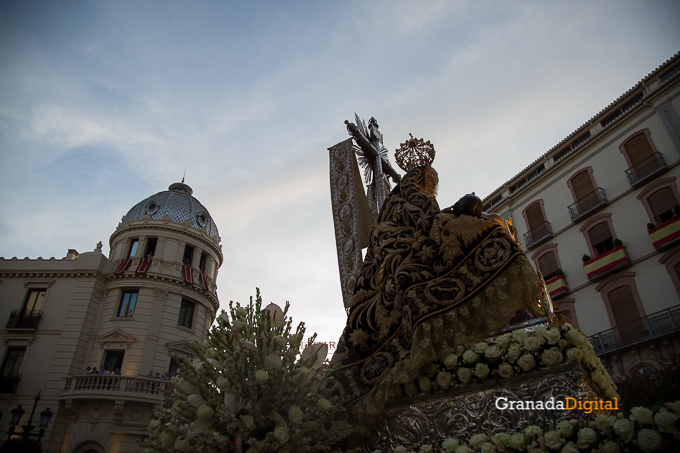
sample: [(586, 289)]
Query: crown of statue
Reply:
[(415, 152)]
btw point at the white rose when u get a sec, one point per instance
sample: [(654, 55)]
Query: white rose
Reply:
[(574, 354), (476, 441), (505, 370), (569, 448), (533, 431), (649, 440), (470, 357), (248, 421), (513, 352), (449, 445), (487, 447), (323, 404), (501, 438), (295, 414), (665, 421), (424, 383), (532, 343), (204, 412), (261, 376), (481, 347), (519, 335), (526, 362), (624, 429), (603, 422), (492, 353), (503, 342), (481, 371), (553, 440), (641, 415), (450, 361), (444, 379), (552, 357), (464, 375), (518, 441), (281, 435), (611, 447), (553, 336), (586, 436), (427, 448), (565, 428), (576, 338)]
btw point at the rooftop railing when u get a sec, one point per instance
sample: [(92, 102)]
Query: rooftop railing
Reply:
[(588, 204), (646, 169), (643, 329), (20, 319), (538, 234)]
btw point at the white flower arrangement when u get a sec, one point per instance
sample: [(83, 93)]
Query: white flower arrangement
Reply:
[(251, 388), (521, 351), (644, 430)]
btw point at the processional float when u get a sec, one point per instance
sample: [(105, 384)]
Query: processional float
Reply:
[(450, 331)]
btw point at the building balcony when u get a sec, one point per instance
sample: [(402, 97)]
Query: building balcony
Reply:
[(20, 319), (647, 169), (538, 235), (8, 384), (606, 264), (109, 386), (557, 286), (647, 328), (588, 205), (666, 235)]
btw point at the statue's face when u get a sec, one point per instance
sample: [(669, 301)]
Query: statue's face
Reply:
[(431, 182)]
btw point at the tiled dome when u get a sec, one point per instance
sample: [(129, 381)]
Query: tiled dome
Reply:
[(179, 205)]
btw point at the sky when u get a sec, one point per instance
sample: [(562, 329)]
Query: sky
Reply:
[(103, 104)]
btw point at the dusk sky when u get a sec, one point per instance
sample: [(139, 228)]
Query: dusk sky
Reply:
[(105, 103)]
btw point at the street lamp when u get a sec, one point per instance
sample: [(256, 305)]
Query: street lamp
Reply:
[(18, 412)]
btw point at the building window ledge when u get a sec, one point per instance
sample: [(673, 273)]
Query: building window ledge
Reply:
[(20, 319), (588, 205), (647, 169), (538, 235)]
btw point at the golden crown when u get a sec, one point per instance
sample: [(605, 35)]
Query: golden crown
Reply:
[(415, 152)]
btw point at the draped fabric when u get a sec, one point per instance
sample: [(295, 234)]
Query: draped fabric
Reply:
[(430, 281), (122, 266)]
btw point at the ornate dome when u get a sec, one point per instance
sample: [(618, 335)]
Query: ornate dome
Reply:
[(179, 205)]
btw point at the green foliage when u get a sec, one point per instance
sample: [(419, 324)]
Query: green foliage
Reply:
[(650, 225), (585, 257), (559, 271), (652, 387), (251, 389), (617, 242)]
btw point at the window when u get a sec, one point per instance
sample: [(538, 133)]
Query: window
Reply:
[(565, 307), (150, 247), (623, 306), (601, 239), (12, 362), (127, 304), (637, 148), (548, 265), (202, 262), (188, 256), (660, 199), (186, 314), (134, 243), (174, 366), (113, 361), (34, 301), (582, 185)]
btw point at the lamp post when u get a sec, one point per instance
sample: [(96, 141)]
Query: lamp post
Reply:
[(18, 412)]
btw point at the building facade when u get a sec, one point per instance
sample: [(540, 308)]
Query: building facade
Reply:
[(598, 216), (131, 313)]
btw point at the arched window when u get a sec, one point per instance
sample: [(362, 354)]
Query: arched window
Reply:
[(566, 308), (599, 234), (588, 198), (582, 184), (623, 305), (660, 200), (638, 148), (671, 260), (547, 261), (538, 229)]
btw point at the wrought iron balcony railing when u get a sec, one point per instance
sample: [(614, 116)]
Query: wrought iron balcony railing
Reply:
[(538, 234), (109, 386), (649, 327), (20, 319), (589, 204), (8, 384), (646, 169)]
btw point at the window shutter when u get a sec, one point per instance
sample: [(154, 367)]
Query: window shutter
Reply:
[(599, 233), (638, 149), (582, 185), (623, 305), (547, 263), (534, 216), (661, 201)]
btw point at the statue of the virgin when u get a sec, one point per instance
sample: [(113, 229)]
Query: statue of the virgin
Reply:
[(431, 280)]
